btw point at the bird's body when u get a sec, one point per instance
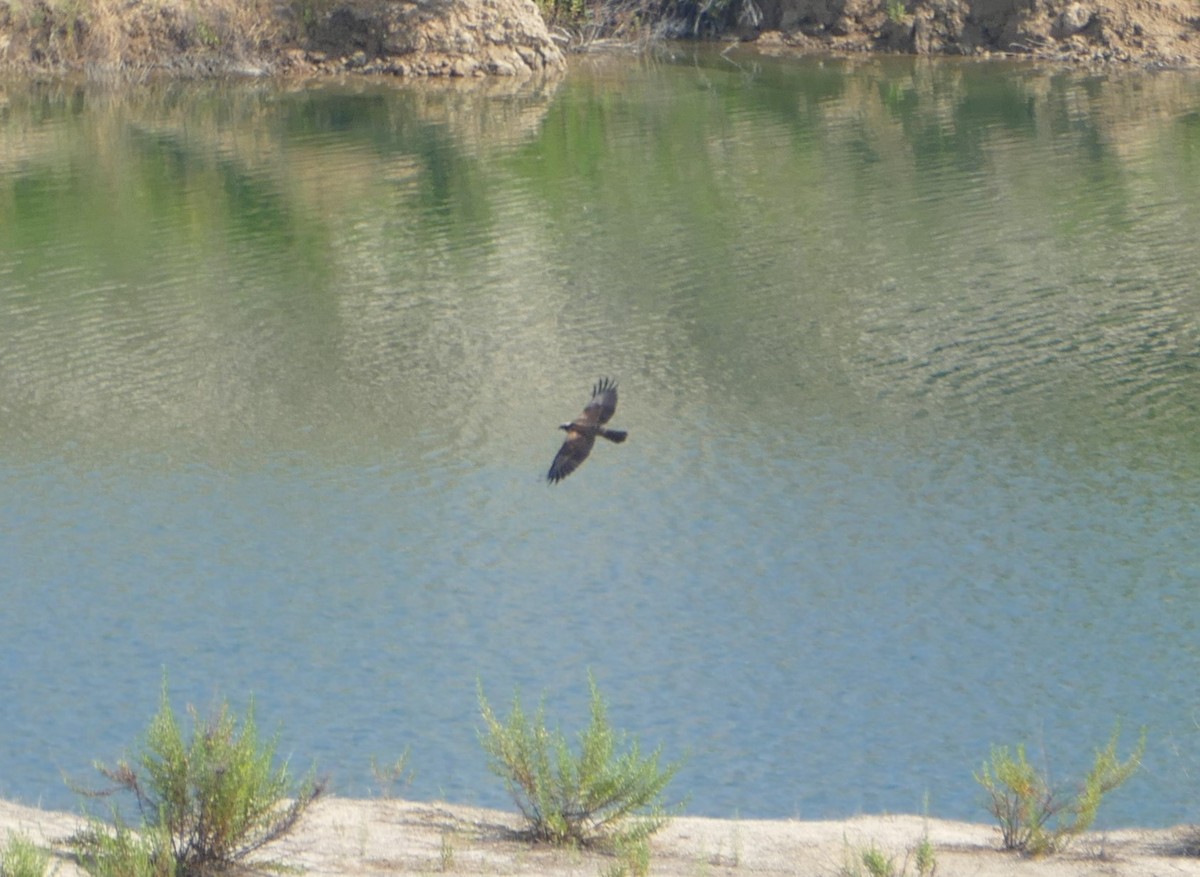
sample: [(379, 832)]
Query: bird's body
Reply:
[(582, 431)]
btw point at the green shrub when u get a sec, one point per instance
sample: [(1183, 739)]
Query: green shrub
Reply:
[(595, 796), (1038, 818), (207, 803), (21, 857)]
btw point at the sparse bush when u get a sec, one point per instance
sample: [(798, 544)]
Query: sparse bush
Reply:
[(1038, 818), (207, 803), (877, 862), (597, 796), (21, 857), (871, 861), (925, 857), (388, 776), (632, 858)]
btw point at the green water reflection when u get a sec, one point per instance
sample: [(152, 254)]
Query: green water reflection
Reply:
[(840, 220)]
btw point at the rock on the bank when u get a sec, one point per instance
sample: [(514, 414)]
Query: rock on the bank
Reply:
[(434, 37), (1152, 33)]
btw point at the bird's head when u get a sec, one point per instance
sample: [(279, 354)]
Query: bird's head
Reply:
[(566, 427)]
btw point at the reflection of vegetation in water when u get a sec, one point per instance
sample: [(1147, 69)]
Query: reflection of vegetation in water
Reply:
[(881, 207), (851, 217), (205, 163), (211, 243), (122, 177)]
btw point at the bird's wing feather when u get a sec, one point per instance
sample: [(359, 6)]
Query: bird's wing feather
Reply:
[(603, 404), (572, 453)]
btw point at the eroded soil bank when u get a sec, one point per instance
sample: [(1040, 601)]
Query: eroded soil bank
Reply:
[(256, 37), (509, 37), (1146, 33)]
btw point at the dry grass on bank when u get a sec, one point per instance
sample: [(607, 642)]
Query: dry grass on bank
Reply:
[(128, 35), (343, 837)]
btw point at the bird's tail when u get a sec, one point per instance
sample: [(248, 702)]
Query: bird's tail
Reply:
[(614, 435)]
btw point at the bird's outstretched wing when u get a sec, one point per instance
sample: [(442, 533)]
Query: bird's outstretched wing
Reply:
[(604, 402), (572, 453), (582, 431)]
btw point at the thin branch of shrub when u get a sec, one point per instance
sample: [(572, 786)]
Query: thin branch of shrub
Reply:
[(388, 776)]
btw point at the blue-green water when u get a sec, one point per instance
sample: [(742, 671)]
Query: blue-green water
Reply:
[(909, 354)]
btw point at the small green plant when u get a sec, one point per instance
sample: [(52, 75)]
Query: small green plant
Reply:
[(925, 857), (120, 851), (388, 776), (446, 854), (206, 35), (207, 803), (871, 861), (896, 11), (868, 861), (595, 796), (632, 858), (877, 862), (563, 12), (21, 857), (1038, 818)]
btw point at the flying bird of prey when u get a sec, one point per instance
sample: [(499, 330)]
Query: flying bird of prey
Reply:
[(582, 431)]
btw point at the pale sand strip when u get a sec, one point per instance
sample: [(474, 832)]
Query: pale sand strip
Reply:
[(342, 837)]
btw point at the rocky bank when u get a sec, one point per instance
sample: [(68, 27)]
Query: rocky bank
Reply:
[(457, 38), (1145, 33), (465, 38)]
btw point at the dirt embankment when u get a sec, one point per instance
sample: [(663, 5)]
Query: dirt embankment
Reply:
[(201, 37), (1147, 33), (508, 37)]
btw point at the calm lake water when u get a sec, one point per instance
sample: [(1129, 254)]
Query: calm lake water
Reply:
[(909, 354)]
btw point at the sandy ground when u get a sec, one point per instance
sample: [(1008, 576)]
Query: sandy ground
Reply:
[(340, 837)]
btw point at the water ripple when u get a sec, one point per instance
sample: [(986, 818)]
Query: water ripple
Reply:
[(907, 352)]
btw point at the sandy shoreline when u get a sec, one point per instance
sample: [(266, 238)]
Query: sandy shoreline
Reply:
[(342, 837)]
